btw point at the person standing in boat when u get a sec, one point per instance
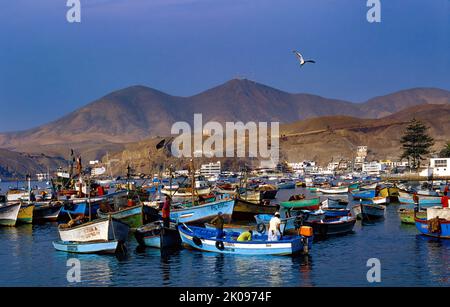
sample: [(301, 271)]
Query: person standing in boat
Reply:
[(274, 228), (444, 200), (416, 199), (219, 221), (166, 211)]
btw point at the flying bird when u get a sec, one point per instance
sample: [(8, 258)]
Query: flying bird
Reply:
[(301, 59)]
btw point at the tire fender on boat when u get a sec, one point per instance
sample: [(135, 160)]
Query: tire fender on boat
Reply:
[(261, 228), (220, 245), (197, 241)]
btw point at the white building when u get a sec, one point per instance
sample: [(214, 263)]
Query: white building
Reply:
[(210, 169), (438, 167), (361, 154), (372, 168)]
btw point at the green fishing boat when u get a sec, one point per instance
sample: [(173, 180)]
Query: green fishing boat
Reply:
[(304, 204), (407, 215)]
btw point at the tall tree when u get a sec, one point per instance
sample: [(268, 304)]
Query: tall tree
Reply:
[(416, 143), (445, 152)]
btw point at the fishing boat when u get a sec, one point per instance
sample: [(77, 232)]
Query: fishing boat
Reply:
[(363, 194), (424, 201), (368, 211), (407, 215), (187, 213), (371, 186), (379, 200), (436, 224), (97, 230), (205, 240), (47, 211), (334, 190), (250, 195), (132, 216), (305, 204), (156, 235), (9, 213), (93, 247), (330, 203), (389, 192), (25, 215), (246, 210), (336, 212), (88, 206), (353, 186), (286, 184), (332, 226), (15, 195), (268, 191)]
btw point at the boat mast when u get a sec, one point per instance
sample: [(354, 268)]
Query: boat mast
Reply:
[(193, 181)]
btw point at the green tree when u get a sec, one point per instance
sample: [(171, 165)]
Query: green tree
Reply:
[(416, 143), (445, 152)]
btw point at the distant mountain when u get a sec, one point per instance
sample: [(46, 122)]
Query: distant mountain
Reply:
[(138, 113)]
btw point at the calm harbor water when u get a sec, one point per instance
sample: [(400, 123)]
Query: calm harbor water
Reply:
[(407, 259)]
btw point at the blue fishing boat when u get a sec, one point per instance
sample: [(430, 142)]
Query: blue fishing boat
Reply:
[(202, 213), (107, 247), (336, 212), (155, 235), (286, 184), (80, 206), (205, 240), (442, 232), (79, 209), (363, 194)]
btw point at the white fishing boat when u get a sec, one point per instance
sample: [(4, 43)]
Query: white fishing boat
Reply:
[(9, 213), (334, 190), (105, 229)]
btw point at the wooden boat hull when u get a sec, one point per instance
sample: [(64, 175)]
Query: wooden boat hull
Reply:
[(422, 227), (132, 216), (47, 211), (246, 210), (97, 230), (108, 247), (203, 213), (269, 194), (329, 228), (424, 201), (334, 204), (25, 215), (372, 211), (334, 191), (286, 185), (363, 194), (157, 236), (204, 239), (407, 215), (8, 214), (79, 209), (304, 204)]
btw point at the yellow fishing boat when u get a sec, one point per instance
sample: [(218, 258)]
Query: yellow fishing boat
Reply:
[(26, 214)]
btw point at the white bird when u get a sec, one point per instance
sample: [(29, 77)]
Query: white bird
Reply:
[(301, 59)]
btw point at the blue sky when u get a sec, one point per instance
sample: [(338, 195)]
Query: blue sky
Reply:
[(49, 67)]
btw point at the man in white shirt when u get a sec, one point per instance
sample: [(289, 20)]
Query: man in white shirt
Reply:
[(274, 228)]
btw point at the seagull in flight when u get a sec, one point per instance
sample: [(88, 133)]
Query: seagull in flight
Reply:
[(301, 59)]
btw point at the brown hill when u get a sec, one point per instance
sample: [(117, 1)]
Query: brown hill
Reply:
[(322, 139), (17, 165)]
